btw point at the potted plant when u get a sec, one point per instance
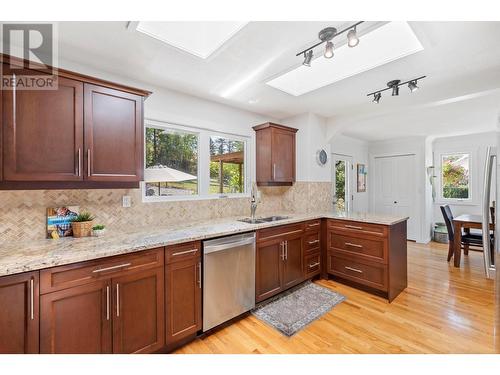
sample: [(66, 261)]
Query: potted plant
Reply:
[(98, 230), (82, 224)]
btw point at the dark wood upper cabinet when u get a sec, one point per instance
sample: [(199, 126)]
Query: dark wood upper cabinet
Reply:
[(138, 313), (87, 133), (113, 135), (77, 320), (43, 133), (275, 154), (19, 315)]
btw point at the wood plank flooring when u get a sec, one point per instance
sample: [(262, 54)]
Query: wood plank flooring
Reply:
[(443, 310)]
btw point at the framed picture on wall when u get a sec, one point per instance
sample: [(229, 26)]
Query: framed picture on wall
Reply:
[(361, 178)]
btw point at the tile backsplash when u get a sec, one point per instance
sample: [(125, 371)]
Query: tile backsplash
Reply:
[(22, 213)]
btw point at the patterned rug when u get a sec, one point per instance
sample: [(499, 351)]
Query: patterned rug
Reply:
[(296, 308)]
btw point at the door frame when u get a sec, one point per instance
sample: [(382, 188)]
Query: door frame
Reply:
[(349, 179), (419, 213)]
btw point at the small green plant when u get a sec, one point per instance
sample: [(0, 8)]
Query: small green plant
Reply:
[(98, 227), (83, 216)]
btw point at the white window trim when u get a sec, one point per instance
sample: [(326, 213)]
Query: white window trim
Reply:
[(203, 162), (439, 185)]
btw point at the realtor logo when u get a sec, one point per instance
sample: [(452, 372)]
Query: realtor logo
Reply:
[(32, 51)]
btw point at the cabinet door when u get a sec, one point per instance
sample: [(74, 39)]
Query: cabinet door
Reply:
[(293, 270), (43, 133), (113, 135), (19, 314), (138, 312), (283, 155), (268, 270), (183, 296), (77, 320)]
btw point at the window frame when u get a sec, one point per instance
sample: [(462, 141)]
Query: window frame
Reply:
[(470, 199), (203, 162)]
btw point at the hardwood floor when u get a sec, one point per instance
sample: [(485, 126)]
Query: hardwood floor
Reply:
[(443, 310)]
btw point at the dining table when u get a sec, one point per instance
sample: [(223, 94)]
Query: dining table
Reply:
[(460, 222)]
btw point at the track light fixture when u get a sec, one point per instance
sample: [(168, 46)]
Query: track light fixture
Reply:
[(326, 35), (307, 58), (352, 38), (394, 86), (413, 86)]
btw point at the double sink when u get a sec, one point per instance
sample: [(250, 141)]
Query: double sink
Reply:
[(262, 220)]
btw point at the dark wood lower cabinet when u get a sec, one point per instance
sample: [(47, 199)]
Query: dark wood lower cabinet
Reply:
[(19, 314), (268, 270), (183, 299), (77, 320), (138, 312), (293, 269)]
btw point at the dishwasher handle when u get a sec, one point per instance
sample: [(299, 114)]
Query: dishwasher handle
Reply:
[(229, 245)]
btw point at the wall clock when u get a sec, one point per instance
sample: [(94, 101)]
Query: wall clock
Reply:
[(322, 157)]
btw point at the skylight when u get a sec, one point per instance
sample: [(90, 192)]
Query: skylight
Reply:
[(197, 38), (387, 43)]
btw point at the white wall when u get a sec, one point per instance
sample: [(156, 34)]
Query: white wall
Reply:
[(358, 150), (310, 138), (416, 146), (476, 145)]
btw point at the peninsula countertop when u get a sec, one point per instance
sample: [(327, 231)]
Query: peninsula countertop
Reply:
[(17, 257)]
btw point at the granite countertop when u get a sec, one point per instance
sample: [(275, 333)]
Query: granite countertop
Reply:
[(20, 257)]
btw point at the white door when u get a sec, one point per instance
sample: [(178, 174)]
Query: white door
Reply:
[(342, 190), (395, 190)]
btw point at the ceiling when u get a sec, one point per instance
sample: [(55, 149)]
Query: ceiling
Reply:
[(460, 94)]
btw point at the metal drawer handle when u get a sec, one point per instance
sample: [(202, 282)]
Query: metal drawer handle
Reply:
[(353, 245), (312, 242), (79, 167), (199, 275), (107, 302), (185, 252), (314, 265), (353, 269), (32, 299), (118, 300), (111, 268), (313, 225), (89, 163), (353, 227)]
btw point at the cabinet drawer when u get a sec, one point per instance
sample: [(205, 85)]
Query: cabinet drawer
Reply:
[(183, 251), (311, 242), (372, 249), (345, 226), (312, 265), (373, 275), (276, 232), (72, 275), (313, 225)]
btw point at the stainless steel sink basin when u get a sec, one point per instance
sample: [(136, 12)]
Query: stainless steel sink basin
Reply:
[(250, 221), (273, 218), (261, 220)]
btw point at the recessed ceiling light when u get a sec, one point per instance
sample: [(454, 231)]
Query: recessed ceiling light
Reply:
[(197, 38), (392, 41)]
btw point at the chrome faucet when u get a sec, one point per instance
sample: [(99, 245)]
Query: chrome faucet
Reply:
[(253, 204)]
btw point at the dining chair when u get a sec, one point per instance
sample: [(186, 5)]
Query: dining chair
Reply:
[(467, 239)]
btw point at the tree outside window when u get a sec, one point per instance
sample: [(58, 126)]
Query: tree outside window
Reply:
[(455, 176), (227, 169)]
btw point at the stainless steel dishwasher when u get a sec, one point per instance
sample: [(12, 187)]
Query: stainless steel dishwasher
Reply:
[(228, 278)]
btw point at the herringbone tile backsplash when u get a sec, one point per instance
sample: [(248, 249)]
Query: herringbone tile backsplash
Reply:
[(22, 213)]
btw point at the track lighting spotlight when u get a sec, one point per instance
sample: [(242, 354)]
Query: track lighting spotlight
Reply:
[(376, 97), (352, 38), (307, 58), (329, 50), (413, 86), (395, 91)]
